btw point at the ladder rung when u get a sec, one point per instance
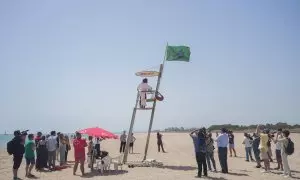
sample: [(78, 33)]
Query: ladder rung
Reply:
[(147, 108)]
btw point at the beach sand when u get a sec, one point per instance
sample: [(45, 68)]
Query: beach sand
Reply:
[(179, 162)]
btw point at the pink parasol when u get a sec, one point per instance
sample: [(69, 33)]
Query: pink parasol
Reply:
[(98, 132)]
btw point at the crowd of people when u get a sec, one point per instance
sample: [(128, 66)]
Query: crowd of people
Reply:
[(260, 142), (43, 151)]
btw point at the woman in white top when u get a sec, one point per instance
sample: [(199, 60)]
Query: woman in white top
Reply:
[(284, 143), (143, 95), (248, 146), (278, 151)]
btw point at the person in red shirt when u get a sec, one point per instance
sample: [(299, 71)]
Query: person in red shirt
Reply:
[(79, 153)]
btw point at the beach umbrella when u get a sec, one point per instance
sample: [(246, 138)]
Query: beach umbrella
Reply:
[(98, 132)]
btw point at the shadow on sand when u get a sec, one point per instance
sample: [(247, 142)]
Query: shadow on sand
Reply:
[(34, 177), (237, 174), (106, 173), (215, 178), (180, 168)]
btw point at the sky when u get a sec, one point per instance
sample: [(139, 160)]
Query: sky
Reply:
[(69, 65)]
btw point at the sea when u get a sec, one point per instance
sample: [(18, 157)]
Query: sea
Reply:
[(4, 139)]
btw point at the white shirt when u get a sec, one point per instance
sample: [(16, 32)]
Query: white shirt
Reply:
[(247, 142), (222, 140), (144, 87), (123, 138), (51, 143), (278, 144)]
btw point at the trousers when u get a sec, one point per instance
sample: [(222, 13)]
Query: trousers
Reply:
[(285, 163), (222, 152), (201, 161), (210, 157)]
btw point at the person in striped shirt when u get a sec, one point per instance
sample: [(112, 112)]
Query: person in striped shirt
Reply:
[(210, 152)]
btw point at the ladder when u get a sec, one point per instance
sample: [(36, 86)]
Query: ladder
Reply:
[(151, 118)]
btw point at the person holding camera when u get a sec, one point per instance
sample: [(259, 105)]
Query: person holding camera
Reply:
[(231, 143), (285, 143), (278, 151), (248, 146), (16, 148), (198, 137)]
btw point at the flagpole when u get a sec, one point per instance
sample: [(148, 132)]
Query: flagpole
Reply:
[(161, 68), (165, 54)]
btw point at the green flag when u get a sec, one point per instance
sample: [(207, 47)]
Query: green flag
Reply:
[(178, 53)]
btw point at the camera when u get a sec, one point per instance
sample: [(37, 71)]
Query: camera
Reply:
[(24, 133)]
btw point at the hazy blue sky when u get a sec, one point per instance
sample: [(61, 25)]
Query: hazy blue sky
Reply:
[(70, 64)]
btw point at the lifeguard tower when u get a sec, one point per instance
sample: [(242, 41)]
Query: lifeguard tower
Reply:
[(172, 53), (155, 96)]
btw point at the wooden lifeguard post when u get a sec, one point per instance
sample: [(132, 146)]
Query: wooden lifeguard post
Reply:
[(172, 53), (155, 92)]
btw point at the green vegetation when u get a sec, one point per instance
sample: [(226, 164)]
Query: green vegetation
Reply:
[(236, 127)]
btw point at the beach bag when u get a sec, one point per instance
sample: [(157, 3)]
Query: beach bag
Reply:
[(289, 150), (10, 147)]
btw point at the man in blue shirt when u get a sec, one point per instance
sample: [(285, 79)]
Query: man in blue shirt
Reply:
[(222, 142), (198, 137)]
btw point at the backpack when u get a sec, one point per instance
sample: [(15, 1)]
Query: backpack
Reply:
[(10, 147), (289, 150)]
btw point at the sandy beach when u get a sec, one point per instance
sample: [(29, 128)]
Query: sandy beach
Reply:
[(179, 162)]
